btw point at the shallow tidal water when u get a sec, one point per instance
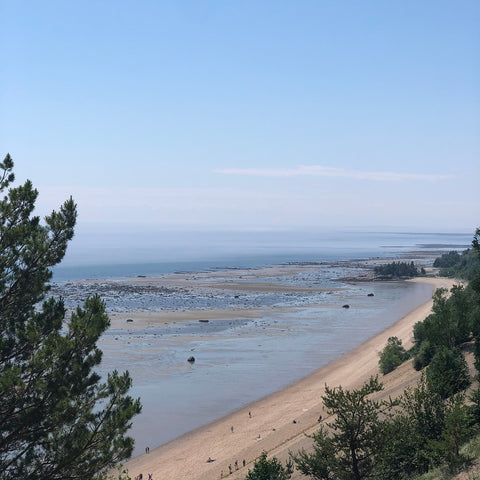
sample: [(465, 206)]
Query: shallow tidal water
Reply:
[(241, 360)]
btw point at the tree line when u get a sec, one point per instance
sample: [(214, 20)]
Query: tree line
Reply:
[(458, 265), (398, 270)]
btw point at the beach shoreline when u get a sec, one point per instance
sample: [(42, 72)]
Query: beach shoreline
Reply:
[(271, 427)]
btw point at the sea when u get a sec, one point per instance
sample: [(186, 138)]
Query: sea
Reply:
[(192, 251), (240, 360)]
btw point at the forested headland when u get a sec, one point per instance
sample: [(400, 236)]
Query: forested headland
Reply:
[(397, 270)]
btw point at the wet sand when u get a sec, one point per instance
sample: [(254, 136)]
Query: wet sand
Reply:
[(270, 426)]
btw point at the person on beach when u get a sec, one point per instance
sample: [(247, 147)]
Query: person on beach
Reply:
[(230, 468), (236, 464), (243, 462), (250, 414), (231, 428)]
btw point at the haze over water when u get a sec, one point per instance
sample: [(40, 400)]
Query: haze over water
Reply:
[(155, 252)]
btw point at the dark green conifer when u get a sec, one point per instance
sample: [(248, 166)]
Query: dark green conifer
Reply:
[(57, 419)]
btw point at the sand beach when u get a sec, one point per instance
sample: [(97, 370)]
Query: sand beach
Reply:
[(278, 422)]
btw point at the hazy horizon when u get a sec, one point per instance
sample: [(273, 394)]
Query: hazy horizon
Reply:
[(164, 246)]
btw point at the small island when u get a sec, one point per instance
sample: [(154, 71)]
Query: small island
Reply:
[(397, 271)]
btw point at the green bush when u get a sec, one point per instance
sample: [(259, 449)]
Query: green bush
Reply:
[(448, 373), (392, 355)]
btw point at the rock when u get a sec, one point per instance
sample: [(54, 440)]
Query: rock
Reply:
[(191, 359), (346, 306)]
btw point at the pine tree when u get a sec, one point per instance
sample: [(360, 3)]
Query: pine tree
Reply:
[(57, 419), (272, 469), (348, 448)]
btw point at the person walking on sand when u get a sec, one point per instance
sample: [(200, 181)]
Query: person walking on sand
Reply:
[(236, 464), (231, 428)]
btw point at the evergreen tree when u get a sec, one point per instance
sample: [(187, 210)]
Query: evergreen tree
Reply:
[(457, 430), (397, 270), (57, 420), (272, 469), (420, 422), (392, 355), (448, 372), (358, 435)]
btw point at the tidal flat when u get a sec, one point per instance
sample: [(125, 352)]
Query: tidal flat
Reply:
[(251, 333)]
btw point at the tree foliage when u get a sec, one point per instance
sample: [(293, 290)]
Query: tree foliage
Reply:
[(464, 265), (453, 321), (265, 469), (356, 437), (448, 373), (457, 429), (397, 270), (426, 431), (392, 355), (57, 419)]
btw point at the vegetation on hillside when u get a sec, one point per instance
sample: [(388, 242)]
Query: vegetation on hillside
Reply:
[(462, 265), (269, 469), (393, 355), (349, 447), (424, 428)]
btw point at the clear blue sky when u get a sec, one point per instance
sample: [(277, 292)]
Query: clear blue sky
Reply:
[(246, 114)]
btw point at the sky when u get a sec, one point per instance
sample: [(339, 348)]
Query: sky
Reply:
[(246, 115)]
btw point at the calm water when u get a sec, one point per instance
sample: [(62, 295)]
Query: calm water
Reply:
[(200, 251)]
